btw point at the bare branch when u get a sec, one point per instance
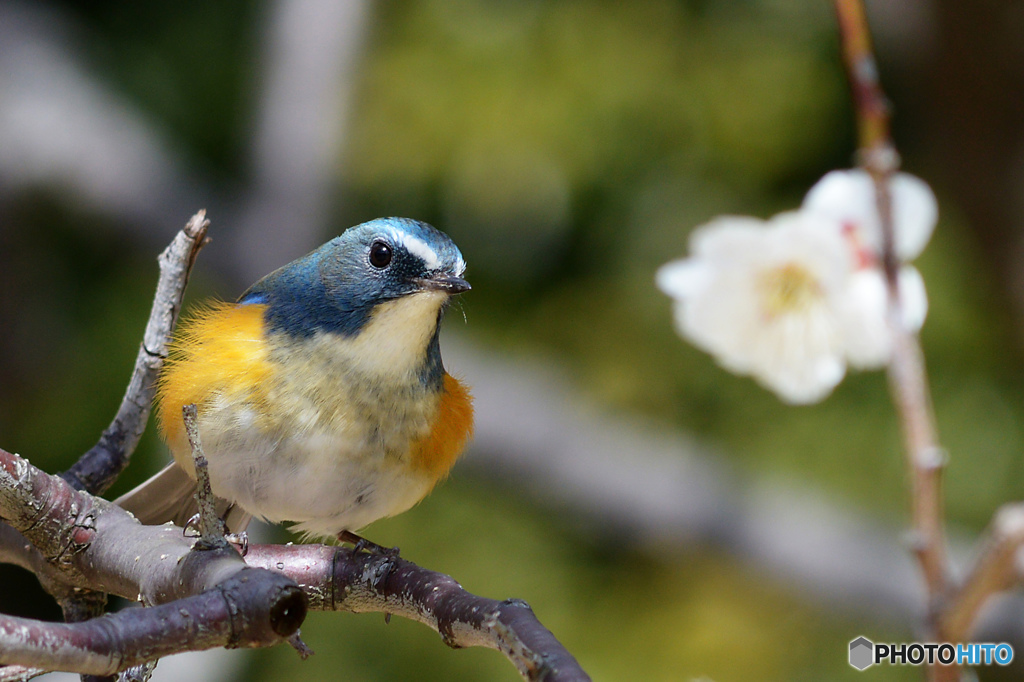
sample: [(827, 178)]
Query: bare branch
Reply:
[(94, 544), (243, 611), (996, 568), (338, 579), (98, 468), (211, 527), (15, 549)]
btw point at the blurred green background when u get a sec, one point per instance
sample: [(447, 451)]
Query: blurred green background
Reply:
[(568, 148)]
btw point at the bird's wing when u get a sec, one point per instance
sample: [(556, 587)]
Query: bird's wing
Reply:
[(169, 495)]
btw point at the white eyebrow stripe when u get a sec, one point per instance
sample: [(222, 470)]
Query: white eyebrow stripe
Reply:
[(420, 248)]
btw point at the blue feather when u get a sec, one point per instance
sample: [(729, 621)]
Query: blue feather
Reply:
[(335, 289)]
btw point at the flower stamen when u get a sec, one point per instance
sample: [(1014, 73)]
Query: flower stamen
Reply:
[(788, 289)]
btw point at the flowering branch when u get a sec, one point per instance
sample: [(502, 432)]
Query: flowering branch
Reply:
[(795, 300), (908, 379)]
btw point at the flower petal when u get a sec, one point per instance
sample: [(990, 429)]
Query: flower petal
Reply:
[(849, 197), (682, 278), (725, 236), (865, 326), (865, 322), (800, 360), (913, 298)]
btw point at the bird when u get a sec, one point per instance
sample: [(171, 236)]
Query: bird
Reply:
[(322, 399)]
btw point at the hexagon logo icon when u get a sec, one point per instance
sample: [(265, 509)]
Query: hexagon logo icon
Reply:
[(862, 652)]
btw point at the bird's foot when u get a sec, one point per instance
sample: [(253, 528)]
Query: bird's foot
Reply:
[(384, 564), (239, 541), (361, 544)]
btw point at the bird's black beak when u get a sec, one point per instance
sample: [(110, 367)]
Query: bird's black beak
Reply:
[(444, 281)]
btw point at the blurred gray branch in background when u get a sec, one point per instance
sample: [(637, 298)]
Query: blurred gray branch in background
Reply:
[(310, 51), (59, 126)]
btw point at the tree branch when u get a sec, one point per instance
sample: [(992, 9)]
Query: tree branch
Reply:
[(211, 526), (338, 579), (19, 673), (93, 544), (907, 376), (998, 566), (212, 597), (242, 611), (908, 379), (98, 468)]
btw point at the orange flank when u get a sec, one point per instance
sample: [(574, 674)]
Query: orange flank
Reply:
[(436, 453), (218, 350)]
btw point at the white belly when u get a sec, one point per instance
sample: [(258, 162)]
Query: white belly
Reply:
[(315, 481)]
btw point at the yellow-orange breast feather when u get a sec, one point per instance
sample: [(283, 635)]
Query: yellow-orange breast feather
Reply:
[(219, 351), (436, 453)]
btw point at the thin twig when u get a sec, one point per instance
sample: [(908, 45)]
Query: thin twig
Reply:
[(211, 526), (907, 376), (98, 468), (996, 568)]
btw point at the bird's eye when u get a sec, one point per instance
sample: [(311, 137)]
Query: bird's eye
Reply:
[(380, 255)]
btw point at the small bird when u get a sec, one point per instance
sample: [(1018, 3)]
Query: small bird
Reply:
[(322, 398)]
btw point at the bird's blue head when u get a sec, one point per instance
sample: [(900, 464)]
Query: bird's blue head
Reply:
[(338, 287)]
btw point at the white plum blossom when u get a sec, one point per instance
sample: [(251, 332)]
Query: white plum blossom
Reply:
[(794, 300), (765, 299), (848, 196)]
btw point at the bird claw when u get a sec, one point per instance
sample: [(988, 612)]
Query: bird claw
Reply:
[(239, 541), (191, 529), (361, 544), (387, 555)]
